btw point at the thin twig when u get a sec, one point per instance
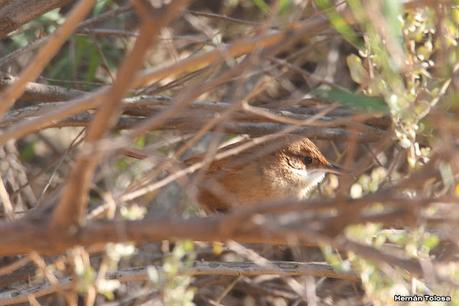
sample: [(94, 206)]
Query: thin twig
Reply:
[(72, 205), (44, 55), (199, 268)]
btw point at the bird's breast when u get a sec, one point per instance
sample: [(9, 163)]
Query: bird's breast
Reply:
[(297, 182)]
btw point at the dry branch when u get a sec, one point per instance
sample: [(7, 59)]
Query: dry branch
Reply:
[(199, 268), (280, 38), (328, 126), (52, 117), (309, 28), (215, 228), (4, 61), (15, 13), (72, 206), (44, 55), (36, 92), (190, 64)]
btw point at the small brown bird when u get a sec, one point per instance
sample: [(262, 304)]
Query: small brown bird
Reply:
[(280, 168)]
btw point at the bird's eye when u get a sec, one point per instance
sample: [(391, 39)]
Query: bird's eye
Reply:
[(307, 160)]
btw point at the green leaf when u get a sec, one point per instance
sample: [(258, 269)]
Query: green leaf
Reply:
[(431, 241), (27, 153), (140, 142), (93, 64), (284, 6), (353, 100), (339, 23), (358, 73)]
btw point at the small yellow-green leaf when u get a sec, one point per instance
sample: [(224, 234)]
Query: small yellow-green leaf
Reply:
[(431, 241), (358, 72)]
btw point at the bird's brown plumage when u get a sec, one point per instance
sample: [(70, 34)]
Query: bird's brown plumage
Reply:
[(286, 167)]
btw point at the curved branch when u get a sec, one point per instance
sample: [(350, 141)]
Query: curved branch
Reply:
[(18, 12)]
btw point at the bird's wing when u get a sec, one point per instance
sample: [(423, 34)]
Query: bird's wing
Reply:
[(226, 164)]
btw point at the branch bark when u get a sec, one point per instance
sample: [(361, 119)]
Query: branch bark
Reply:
[(37, 92), (9, 96), (281, 268), (44, 239), (72, 206), (15, 13)]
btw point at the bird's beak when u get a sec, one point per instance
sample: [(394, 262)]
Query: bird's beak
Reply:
[(331, 168)]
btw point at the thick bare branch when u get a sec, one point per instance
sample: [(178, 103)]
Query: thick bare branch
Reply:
[(15, 13), (36, 92), (97, 234)]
